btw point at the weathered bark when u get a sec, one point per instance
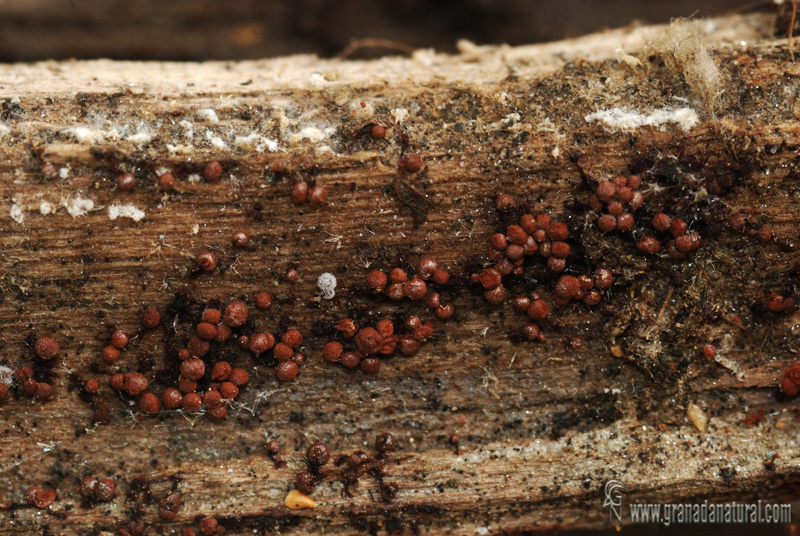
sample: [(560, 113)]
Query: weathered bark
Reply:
[(543, 426)]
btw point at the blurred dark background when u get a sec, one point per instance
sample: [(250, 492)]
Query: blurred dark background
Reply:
[(244, 29)]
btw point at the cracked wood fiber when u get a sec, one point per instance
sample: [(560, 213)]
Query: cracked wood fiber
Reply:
[(542, 426)]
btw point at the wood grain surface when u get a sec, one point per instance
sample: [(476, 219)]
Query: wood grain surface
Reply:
[(542, 425)]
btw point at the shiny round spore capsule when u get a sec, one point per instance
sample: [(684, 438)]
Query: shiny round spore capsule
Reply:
[(318, 454)]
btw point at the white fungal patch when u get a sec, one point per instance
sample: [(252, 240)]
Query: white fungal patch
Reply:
[(84, 134), (400, 115), (140, 138), (194, 178), (100, 128), (324, 149), (616, 119), (6, 375), (258, 142), (79, 206), (248, 140), (125, 211), (317, 80), (281, 118), (326, 283), (16, 213), (312, 134), (63, 173), (188, 128), (365, 112), (45, 208), (215, 140), (207, 114)]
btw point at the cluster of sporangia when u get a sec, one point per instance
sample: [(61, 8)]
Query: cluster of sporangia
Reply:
[(532, 234), (222, 389), (416, 288), (364, 346), (221, 381), (207, 526), (97, 490), (615, 200), (301, 194), (46, 349), (671, 234), (536, 234), (351, 467)]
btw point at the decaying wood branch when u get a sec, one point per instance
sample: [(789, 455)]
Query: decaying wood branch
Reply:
[(541, 426)]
